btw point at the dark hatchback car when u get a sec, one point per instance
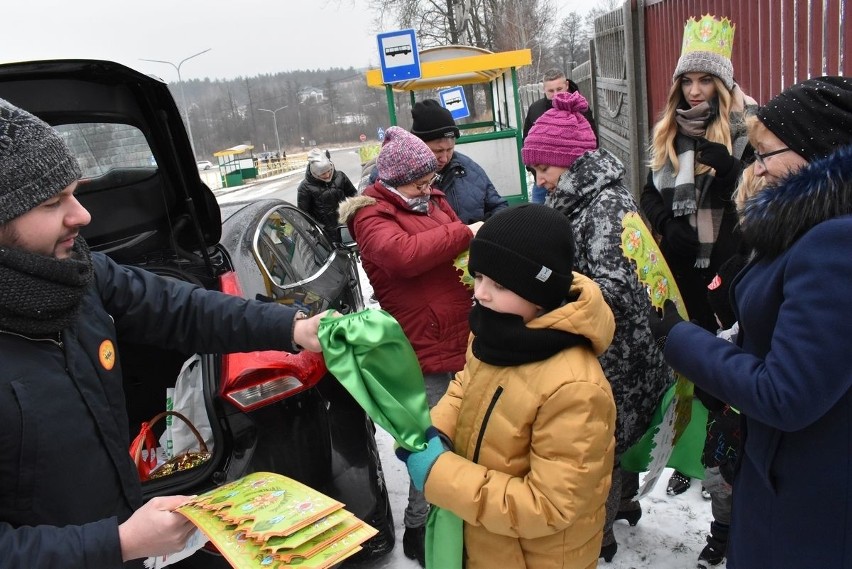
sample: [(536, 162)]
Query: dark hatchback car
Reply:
[(267, 411)]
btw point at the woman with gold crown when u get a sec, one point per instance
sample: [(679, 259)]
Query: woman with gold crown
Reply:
[(698, 149)]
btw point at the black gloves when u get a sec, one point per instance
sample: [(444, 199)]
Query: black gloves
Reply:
[(715, 155), (660, 327), (682, 239)]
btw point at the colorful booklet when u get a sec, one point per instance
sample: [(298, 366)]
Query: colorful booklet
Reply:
[(268, 520)]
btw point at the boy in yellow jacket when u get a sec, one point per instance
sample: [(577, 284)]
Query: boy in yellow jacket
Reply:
[(531, 416)]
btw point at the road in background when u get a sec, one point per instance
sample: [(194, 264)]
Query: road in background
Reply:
[(284, 186)]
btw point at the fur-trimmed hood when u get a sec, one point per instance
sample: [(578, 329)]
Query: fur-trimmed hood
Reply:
[(777, 216), (350, 206)]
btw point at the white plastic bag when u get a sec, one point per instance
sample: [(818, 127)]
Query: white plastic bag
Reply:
[(188, 399)]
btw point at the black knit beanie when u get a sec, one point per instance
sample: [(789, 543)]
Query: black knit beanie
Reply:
[(813, 118), (432, 121), (719, 290), (35, 163), (528, 249)]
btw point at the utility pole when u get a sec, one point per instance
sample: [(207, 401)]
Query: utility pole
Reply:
[(182, 93)]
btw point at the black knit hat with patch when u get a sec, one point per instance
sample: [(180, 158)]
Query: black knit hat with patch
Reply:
[(813, 118), (529, 249), (35, 163), (431, 121)]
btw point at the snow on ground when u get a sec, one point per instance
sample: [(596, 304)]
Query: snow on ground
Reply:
[(670, 534)]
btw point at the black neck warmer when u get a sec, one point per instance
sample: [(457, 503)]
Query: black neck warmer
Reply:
[(504, 340), (40, 295)]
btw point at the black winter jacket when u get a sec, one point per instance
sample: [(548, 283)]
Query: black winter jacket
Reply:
[(66, 476), (321, 199)]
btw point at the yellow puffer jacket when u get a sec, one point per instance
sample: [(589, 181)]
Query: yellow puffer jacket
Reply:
[(534, 449)]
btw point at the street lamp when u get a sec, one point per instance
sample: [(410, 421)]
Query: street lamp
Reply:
[(182, 94), (275, 122)]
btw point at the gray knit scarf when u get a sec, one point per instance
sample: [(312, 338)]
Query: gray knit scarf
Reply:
[(40, 295), (687, 194)]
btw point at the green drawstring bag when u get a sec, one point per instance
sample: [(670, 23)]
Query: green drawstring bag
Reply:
[(371, 357)]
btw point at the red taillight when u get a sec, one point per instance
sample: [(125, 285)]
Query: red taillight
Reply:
[(254, 379)]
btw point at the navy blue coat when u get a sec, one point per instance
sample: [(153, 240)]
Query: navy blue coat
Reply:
[(66, 477), (790, 377), (469, 190)]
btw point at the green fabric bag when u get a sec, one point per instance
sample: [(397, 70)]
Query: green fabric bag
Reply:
[(369, 354)]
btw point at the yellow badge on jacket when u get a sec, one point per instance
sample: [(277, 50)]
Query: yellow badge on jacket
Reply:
[(106, 354)]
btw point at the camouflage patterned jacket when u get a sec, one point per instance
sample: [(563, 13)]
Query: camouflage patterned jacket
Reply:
[(593, 195)]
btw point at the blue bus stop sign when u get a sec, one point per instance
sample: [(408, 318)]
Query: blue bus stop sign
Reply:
[(399, 56), (380, 134), (454, 101)]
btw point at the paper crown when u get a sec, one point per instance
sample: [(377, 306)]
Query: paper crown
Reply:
[(709, 34), (707, 47)]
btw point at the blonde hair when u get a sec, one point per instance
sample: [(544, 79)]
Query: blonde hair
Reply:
[(662, 148), (750, 184)]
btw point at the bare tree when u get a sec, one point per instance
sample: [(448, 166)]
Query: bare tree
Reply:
[(571, 43)]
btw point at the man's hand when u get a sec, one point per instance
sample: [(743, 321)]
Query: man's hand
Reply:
[(474, 227), (155, 529), (305, 333)]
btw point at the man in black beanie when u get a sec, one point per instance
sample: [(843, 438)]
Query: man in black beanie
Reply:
[(70, 494), (466, 185)]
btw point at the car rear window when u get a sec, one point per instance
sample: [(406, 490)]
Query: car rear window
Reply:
[(103, 147)]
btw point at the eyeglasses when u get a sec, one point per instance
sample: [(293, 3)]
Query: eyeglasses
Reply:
[(420, 186), (761, 158)]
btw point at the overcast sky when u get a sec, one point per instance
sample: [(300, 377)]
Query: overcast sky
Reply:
[(245, 37)]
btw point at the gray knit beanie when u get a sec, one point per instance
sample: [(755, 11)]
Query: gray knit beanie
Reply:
[(707, 47), (35, 163), (404, 158)]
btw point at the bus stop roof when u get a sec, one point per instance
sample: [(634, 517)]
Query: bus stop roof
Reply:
[(238, 149), (448, 66)]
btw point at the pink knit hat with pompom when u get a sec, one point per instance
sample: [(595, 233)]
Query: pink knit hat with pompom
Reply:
[(561, 135)]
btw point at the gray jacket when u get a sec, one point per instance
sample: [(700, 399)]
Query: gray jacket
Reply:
[(593, 195)]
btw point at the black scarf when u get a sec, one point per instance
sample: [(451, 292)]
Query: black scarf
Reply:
[(40, 295), (502, 339)]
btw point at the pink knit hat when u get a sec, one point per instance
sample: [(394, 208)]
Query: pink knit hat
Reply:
[(404, 158), (561, 135)]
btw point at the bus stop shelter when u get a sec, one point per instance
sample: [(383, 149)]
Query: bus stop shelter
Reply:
[(494, 144), (236, 164)]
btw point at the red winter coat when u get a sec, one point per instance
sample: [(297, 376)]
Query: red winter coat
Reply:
[(408, 257)]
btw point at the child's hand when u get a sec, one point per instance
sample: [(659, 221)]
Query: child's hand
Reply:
[(420, 463)]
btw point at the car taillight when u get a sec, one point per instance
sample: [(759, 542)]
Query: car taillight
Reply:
[(254, 379)]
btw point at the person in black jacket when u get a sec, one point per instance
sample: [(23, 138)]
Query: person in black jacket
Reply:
[(553, 82), (70, 494), (322, 190)]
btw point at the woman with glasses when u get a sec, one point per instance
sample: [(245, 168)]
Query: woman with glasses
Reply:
[(788, 373), (696, 154), (409, 237)]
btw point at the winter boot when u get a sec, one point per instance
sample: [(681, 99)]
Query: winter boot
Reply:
[(608, 551), (717, 546), (678, 484), (414, 544), (631, 512)]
